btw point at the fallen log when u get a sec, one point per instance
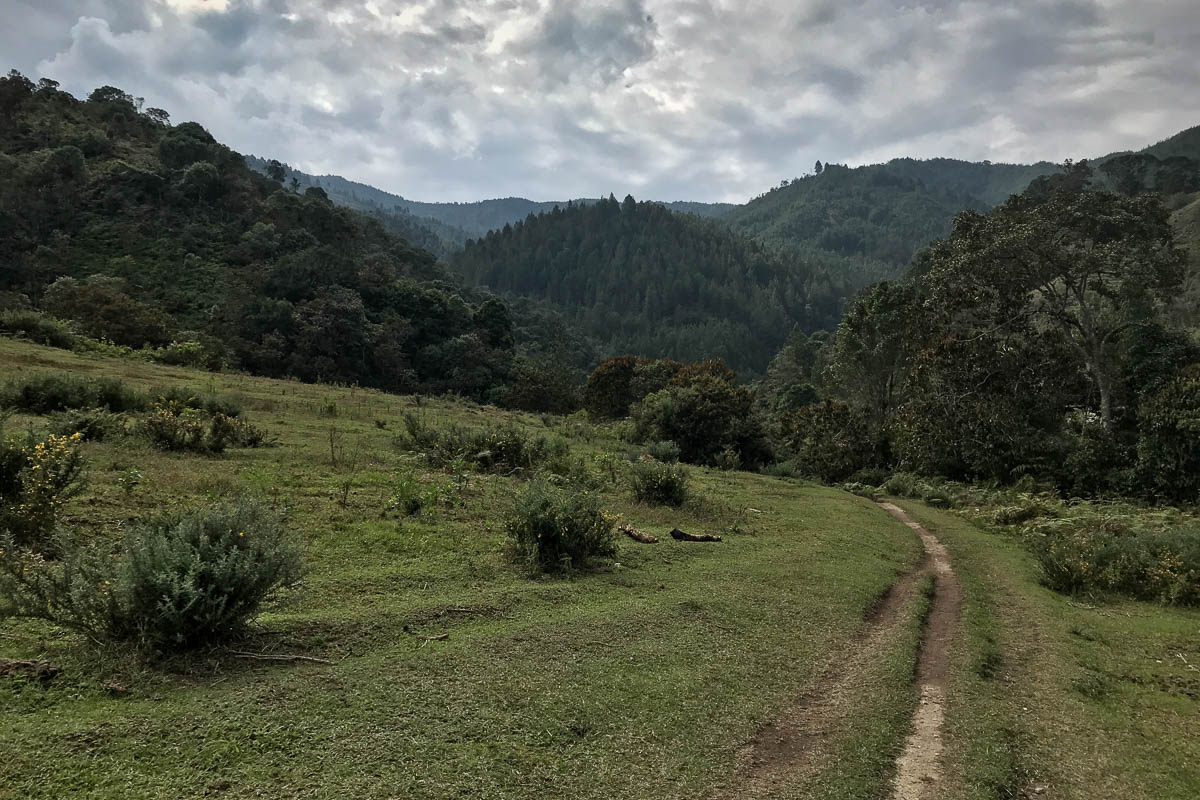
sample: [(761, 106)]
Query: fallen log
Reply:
[(693, 537), (634, 533)]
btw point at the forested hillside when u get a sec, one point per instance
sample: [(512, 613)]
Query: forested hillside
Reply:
[(452, 222), (144, 233), (867, 222), (644, 280)]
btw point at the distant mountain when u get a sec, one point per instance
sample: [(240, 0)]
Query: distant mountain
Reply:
[(452, 223), (639, 279)]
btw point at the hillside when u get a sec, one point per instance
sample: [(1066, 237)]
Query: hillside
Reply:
[(643, 280), (144, 233), (453, 222), (879, 215), (1186, 224)]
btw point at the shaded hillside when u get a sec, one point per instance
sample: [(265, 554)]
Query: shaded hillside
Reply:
[(643, 280), (877, 215), (453, 222), (143, 233)]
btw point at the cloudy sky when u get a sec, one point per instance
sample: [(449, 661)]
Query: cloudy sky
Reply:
[(667, 99)]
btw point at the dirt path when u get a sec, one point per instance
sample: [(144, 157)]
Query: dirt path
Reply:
[(918, 772), (790, 749)]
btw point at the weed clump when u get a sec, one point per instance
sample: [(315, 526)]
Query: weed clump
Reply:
[(176, 428), (656, 483), (503, 449), (558, 530)]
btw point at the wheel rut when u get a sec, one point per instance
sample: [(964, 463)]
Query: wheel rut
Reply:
[(790, 749)]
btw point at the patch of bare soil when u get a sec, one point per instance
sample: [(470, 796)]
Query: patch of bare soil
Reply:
[(789, 749)]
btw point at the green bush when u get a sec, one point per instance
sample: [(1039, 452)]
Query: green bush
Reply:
[(830, 441), (504, 449), (93, 424), (49, 392), (37, 328), (1168, 457), (207, 402), (557, 530), (176, 429), (666, 452), (178, 582), (1160, 566), (659, 484)]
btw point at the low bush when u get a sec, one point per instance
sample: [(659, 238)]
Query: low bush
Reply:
[(659, 484), (558, 530), (207, 402), (667, 452), (505, 449), (37, 328), (174, 429), (49, 392), (178, 582), (1160, 566), (93, 424), (36, 479)]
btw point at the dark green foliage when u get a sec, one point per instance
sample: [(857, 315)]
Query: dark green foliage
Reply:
[(541, 386), (1168, 463), (37, 328), (705, 413), (666, 452), (151, 234), (640, 279), (45, 393), (558, 530), (829, 441), (656, 483)]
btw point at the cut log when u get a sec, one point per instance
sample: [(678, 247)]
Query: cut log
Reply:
[(693, 537), (635, 534)]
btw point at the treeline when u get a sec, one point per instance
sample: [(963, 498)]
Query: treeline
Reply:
[(641, 279), (143, 233), (1033, 341)]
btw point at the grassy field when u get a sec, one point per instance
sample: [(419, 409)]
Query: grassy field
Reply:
[(644, 679)]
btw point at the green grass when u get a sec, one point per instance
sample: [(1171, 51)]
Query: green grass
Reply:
[(642, 679), (1087, 701)]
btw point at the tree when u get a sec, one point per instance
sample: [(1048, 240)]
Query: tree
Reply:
[(276, 171), (818, 168), (1084, 264), (874, 347)]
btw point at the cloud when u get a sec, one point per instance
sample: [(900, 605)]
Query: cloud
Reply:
[(668, 99)]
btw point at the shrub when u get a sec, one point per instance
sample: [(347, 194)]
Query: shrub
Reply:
[(37, 328), (657, 483), (35, 481), (207, 402), (1162, 566), (49, 392), (177, 429), (93, 424), (666, 452), (502, 449), (556, 530), (178, 582)]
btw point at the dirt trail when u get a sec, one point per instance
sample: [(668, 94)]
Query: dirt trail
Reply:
[(918, 772), (790, 749)]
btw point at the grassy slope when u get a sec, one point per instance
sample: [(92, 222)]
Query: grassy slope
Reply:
[(642, 680), (1087, 701)]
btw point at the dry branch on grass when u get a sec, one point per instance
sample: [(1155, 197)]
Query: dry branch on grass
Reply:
[(278, 657), (636, 535), (693, 537)]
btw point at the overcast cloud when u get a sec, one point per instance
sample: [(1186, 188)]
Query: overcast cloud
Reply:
[(666, 99)]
